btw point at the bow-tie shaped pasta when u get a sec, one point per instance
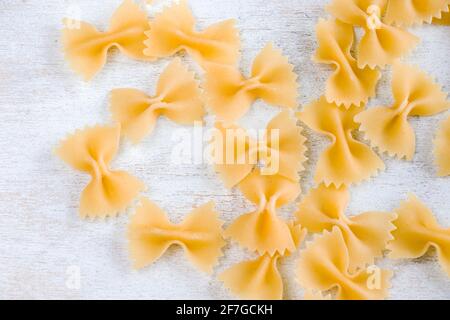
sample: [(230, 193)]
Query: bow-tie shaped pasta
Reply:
[(91, 151), (416, 231), (259, 278), (347, 160), (348, 85), (381, 44), (86, 48), (272, 79), (173, 30), (178, 97), (281, 151), (415, 94), (324, 264), (409, 12), (442, 148), (365, 235), (262, 230), (151, 233)]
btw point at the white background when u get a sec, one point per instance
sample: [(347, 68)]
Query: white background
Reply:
[(42, 100)]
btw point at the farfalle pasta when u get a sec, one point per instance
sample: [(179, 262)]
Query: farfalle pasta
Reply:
[(91, 151), (409, 12), (257, 279), (442, 148), (348, 85), (338, 263), (323, 266), (86, 48), (416, 231), (173, 30), (281, 151), (272, 79), (381, 43), (365, 235), (151, 233), (262, 230), (260, 278), (347, 160), (178, 98), (415, 94)]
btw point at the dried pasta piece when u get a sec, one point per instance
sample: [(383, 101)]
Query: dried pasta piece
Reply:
[(281, 151), (91, 151), (173, 30), (415, 94), (272, 79), (444, 19), (323, 266), (410, 12), (347, 160), (417, 231), (348, 85), (86, 48), (257, 279), (178, 97), (366, 235), (381, 43), (151, 233), (260, 278), (262, 230), (442, 148)]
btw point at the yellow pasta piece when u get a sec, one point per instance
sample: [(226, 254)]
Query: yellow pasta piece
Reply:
[(347, 160), (415, 94), (409, 12), (151, 233), (444, 19), (86, 48), (281, 151), (178, 97), (262, 230), (173, 30), (259, 278), (91, 151), (272, 79), (381, 43), (348, 85), (417, 231), (323, 266), (365, 235), (442, 148)]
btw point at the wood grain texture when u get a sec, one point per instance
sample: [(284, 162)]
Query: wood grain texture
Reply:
[(42, 100)]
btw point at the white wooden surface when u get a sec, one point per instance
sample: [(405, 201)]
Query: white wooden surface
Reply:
[(41, 101)]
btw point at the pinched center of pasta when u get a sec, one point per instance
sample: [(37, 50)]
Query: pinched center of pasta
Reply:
[(405, 108), (251, 84), (374, 19), (156, 104), (178, 235)]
